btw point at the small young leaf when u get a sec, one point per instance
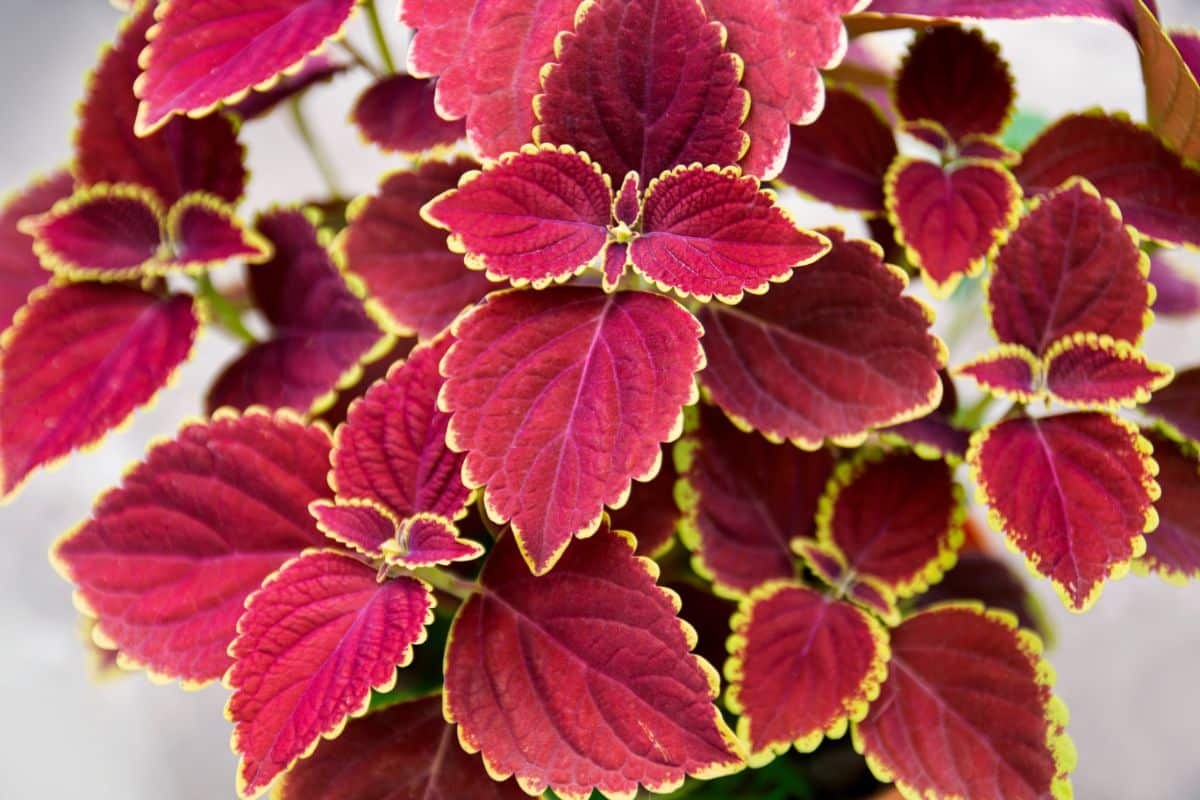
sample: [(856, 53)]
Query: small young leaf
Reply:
[(1089, 371), (186, 155), (315, 640), (951, 219), (643, 86), (165, 569), (537, 216), (833, 352), (582, 679), (414, 285), (1008, 370), (396, 114), (842, 157), (203, 55), (712, 232), (744, 499), (1173, 550), (966, 711), (403, 752), (1158, 193), (560, 397), (77, 362), (20, 270), (392, 448), (202, 230), (802, 665), (320, 332), (1070, 266), (959, 80), (420, 540), (1074, 493)]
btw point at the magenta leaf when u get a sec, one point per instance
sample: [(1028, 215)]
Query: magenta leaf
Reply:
[(643, 86), (1074, 493), (1177, 286), (403, 752), (202, 230), (537, 216), (317, 68), (921, 11), (802, 666), (1173, 550), (392, 448), (320, 331), (958, 79), (314, 641), (20, 270), (165, 570), (832, 353), (77, 362), (396, 114), (560, 397), (420, 540), (1071, 266), (186, 155), (1009, 370), (202, 55), (783, 45), (713, 232), (593, 658), (1158, 193), (951, 219), (743, 500), (1090, 371), (1178, 405), (360, 524), (414, 285), (842, 157)]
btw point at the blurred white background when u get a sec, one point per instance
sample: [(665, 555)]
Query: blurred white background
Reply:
[(1127, 670)]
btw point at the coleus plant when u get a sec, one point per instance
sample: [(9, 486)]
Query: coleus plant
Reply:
[(425, 532)]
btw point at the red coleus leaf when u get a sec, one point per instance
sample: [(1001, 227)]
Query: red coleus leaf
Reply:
[(743, 500), (396, 114), (842, 157), (1176, 285), (320, 331), (561, 397), (593, 658), (1172, 91), (77, 361), (20, 270), (420, 540), (1090, 371), (1009, 370), (951, 219), (202, 230), (833, 352), (199, 56), (1158, 193), (184, 156), (1069, 267), (958, 79), (896, 519), (651, 513), (165, 569), (314, 641), (1173, 550), (967, 711), (403, 752), (392, 448), (414, 285), (980, 576), (317, 68), (802, 666), (783, 45), (1074, 493), (713, 232), (643, 86), (537, 216), (1178, 405)]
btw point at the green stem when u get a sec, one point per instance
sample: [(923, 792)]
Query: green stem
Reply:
[(971, 417), (320, 159), (446, 582), (224, 313), (359, 58), (380, 40)]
